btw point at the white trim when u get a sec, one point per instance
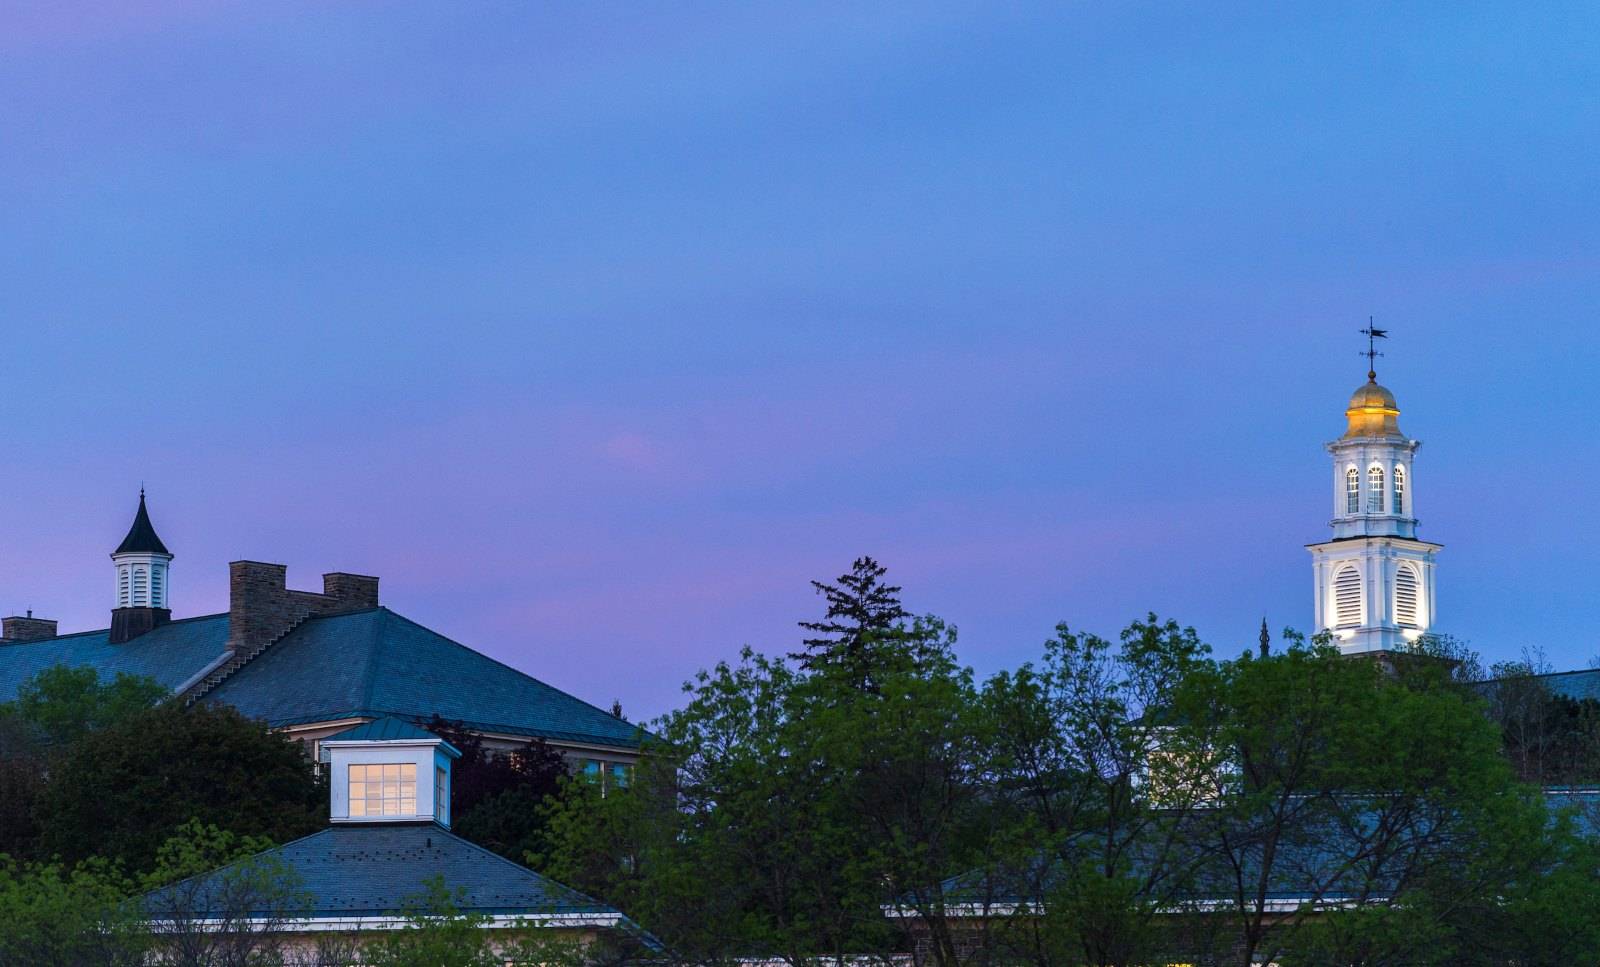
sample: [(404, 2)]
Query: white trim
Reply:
[(1031, 907), (497, 921)]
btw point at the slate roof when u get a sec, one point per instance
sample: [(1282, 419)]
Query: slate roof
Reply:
[(360, 664), (364, 870), (368, 664), (170, 654), (141, 536)]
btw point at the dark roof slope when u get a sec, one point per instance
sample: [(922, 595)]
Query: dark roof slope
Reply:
[(373, 870), (171, 653), (141, 536), (374, 663)]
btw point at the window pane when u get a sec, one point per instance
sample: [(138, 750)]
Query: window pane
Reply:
[(383, 789)]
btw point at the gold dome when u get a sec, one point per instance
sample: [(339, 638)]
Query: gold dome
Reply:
[(1373, 411)]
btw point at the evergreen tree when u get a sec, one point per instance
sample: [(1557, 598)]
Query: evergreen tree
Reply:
[(863, 614)]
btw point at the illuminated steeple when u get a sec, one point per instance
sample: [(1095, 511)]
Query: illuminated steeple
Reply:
[(1374, 579)]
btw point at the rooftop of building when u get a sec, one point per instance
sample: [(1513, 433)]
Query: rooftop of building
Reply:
[(367, 663), (375, 870)]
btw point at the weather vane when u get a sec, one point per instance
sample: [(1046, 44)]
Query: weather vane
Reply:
[(1373, 334)]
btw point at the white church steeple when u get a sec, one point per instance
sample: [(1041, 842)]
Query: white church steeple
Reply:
[(1374, 579)]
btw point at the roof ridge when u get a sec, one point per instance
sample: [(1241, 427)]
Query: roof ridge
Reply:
[(512, 668)]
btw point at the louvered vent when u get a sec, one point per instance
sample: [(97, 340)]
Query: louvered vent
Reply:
[(1347, 598), (1405, 597)]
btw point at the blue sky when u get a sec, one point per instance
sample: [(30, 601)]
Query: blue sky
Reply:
[(598, 330)]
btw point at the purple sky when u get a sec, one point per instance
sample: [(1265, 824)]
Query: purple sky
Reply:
[(597, 330)]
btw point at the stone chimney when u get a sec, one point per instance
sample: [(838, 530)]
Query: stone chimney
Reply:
[(18, 629), (262, 607)]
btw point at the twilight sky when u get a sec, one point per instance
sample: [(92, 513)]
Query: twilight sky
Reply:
[(597, 330)]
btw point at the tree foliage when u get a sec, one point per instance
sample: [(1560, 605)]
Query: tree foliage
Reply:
[(120, 792), (497, 796), (864, 618), (63, 703)]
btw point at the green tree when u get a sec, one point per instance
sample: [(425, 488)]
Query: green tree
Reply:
[(864, 617), (120, 792), (496, 796), (437, 934), (779, 811), (63, 703), (1376, 799), (51, 915), (1096, 784), (219, 900)]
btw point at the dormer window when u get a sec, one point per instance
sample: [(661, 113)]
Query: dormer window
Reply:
[(383, 789), (388, 771)]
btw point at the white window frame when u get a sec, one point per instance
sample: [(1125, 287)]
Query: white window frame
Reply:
[(390, 789)]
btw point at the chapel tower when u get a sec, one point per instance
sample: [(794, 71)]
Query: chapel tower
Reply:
[(141, 561), (1374, 579)]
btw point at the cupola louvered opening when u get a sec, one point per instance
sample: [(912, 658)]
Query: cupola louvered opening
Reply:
[(1347, 597), (1405, 597)]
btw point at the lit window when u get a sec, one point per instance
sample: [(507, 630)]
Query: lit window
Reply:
[(1347, 597), (441, 792), (591, 770), (620, 775), (1405, 597), (1399, 489), (1375, 490), (389, 789), (1352, 491)]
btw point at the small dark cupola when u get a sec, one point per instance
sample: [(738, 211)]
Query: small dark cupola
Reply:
[(142, 564)]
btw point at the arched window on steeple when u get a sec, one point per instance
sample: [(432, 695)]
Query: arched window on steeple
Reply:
[(1352, 491), (1399, 490), (1375, 490)]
